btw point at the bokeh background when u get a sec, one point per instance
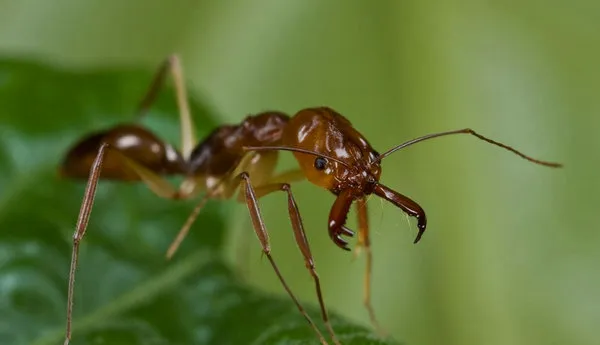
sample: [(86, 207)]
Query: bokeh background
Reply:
[(511, 254)]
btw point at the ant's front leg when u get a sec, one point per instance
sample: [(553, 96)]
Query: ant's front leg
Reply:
[(302, 242), (242, 249), (251, 198)]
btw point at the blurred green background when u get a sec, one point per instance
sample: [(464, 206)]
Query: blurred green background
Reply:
[(511, 254)]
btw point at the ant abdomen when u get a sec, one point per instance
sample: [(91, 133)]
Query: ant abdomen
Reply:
[(131, 141)]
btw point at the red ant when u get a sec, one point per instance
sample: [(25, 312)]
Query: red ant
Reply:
[(331, 153)]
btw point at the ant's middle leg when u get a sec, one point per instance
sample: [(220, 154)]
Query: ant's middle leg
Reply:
[(260, 164), (172, 65)]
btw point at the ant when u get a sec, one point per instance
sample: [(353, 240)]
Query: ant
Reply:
[(331, 153)]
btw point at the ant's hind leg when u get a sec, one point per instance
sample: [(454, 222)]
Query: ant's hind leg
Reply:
[(364, 242), (156, 183), (173, 65), (81, 227)]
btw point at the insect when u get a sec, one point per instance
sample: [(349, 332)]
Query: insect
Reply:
[(330, 153)]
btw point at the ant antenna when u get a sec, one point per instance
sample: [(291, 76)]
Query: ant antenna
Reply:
[(472, 132), (293, 149)]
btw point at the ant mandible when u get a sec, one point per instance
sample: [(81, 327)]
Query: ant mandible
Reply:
[(331, 153)]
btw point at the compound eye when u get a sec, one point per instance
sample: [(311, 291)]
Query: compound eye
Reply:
[(320, 163)]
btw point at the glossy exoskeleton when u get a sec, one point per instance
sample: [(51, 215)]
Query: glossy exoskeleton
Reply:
[(330, 152)]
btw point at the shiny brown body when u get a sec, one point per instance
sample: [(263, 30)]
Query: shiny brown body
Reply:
[(208, 163), (330, 153)]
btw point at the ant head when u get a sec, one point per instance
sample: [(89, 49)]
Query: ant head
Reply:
[(336, 157), (357, 171)]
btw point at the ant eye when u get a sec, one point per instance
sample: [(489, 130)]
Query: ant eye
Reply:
[(320, 163)]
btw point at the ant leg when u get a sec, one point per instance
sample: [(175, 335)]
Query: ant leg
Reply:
[(151, 94), (156, 183), (230, 183), (302, 242), (263, 236), (275, 182), (186, 227), (365, 242), (82, 222), (288, 177), (242, 252), (172, 64)]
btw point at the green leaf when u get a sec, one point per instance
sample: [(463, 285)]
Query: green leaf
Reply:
[(126, 293)]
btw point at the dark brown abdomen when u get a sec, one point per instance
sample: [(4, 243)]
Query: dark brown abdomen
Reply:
[(135, 142)]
